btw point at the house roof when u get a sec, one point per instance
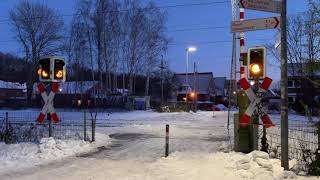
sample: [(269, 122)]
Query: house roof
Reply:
[(12, 85), (204, 82), (219, 83)]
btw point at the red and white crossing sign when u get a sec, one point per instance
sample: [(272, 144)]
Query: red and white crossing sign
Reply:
[(255, 102), (48, 100)]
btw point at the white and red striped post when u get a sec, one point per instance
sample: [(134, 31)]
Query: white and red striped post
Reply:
[(42, 114), (54, 115), (242, 48)]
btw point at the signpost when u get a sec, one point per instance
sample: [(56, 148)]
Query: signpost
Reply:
[(241, 26), (255, 24), (261, 5)]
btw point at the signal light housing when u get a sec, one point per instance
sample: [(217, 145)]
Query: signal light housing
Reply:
[(52, 69), (256, 63)]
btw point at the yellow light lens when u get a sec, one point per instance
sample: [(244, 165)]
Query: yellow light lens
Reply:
[(59, 74), (39, 71), (44, 74), (255, 68), (193, 94)]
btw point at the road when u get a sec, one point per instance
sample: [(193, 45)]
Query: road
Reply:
[(135, 150)]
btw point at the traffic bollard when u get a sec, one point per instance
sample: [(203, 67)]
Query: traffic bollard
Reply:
[(167, 141)]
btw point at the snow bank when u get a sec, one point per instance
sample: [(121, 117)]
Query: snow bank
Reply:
[(219, 165), (25, 155)]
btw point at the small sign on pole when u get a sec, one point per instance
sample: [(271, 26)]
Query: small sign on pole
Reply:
[(255, 24), (261, 5)]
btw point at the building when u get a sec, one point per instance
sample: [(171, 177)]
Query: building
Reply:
[(236, 86), (12, 94), (303, 86), (200, 86), (220, 90), (82, 94)]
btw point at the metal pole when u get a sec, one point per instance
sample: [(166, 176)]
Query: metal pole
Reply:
[(255, 121), (93, 133), (243, 132), (284, 88), (194, 88), (7, 128), (84, 126), (187, 84), (242, 47), (50, 124), (167, 141), (243, 100), (233, 78), (162, 67), (264, 143), (318, 128)]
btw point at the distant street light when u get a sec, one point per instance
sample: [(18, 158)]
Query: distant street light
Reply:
[(193, 95), (189, 49)]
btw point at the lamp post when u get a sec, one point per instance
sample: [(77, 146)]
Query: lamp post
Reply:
[(189, 49)]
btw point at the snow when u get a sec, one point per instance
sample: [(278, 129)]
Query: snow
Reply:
[(199, 150), (23, 155)]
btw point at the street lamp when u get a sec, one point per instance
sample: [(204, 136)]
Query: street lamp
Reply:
[(189, 49)]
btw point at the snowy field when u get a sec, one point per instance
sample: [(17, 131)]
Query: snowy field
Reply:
[(199, 150)]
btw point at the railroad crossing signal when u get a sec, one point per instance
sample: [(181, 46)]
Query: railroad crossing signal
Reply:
[(255, 102), (256, 63), (48, 100), (52, 69)]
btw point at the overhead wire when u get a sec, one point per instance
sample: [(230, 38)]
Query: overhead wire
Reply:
[(2, 21)]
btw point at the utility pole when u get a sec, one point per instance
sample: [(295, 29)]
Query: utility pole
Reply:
[(243, 100), (232, 83), (284, 88), (195, 97), (161, 67)]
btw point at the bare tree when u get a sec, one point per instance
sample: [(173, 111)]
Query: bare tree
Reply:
[(156, 41), (303, 42), (38, 28)]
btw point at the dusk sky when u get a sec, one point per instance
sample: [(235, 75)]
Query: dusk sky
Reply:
[(205, 26)]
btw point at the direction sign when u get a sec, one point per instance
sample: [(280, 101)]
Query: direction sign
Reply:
[(261, 5), (255, 24)]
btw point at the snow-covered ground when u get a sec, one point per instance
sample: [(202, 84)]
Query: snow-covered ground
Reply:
[(199, 149)]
